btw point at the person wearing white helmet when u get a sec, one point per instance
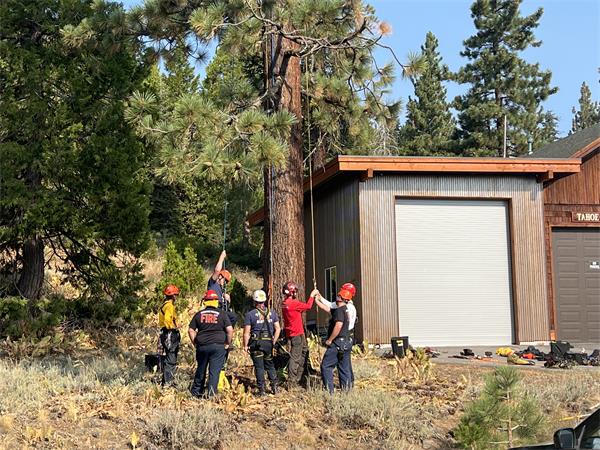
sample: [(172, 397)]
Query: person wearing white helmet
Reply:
[(261, 332)]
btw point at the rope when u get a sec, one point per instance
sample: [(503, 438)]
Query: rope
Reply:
[(270, 286), (310, 178)]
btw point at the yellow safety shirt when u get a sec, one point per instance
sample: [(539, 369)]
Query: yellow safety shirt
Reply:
[(167, 315)]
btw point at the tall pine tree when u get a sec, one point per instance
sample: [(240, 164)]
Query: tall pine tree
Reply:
[(588, 113), (329, 44), (429, 126), (501, 82)]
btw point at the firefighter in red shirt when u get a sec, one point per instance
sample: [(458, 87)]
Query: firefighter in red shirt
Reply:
[(292, 310)]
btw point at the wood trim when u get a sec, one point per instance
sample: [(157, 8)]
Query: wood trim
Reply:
[(545, 176), (513, 282), (364, 176), (587, 149), (372, 164)]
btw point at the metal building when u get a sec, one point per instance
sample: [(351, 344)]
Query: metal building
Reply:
[(449, 251)]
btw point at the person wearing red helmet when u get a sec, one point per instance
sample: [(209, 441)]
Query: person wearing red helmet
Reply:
[(169, 334), (339, 345), (211, 333), (292, 310), (328, 306)]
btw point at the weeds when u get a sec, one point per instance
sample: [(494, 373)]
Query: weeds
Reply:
[(202, 427)]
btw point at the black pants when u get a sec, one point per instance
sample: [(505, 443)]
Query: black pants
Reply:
[(169, 340), (261, 353), (298, 358), (211, 357)]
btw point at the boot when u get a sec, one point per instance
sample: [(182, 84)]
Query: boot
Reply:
[(261, 391), (274, 388)]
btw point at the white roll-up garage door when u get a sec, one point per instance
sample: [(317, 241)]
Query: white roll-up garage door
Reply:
[(454, 285)]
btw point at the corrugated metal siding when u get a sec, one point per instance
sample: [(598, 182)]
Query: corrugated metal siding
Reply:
[(378, 259), (336, 239)]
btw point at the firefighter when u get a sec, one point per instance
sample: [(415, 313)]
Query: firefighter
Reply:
[(211, 333), (339, 345), (292, 310), (218, 282), (169, 334), (327, 306), (261, 331)]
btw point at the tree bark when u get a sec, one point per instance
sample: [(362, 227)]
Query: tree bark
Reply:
[(32, 274), (287, 215)]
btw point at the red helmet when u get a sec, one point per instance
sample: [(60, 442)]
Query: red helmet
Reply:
[(226, 274), (171, 289), (350, 288), (210, 295), (290, 289), (345, 294)]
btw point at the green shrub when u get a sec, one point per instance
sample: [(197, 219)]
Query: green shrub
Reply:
[(182, 271)]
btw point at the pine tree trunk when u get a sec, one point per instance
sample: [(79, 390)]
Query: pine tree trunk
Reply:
[(288, 197), (32, 274)]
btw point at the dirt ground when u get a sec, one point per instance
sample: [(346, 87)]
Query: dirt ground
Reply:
[(86, 389)]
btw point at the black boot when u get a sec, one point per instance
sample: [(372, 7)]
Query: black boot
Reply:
[(274, 388)]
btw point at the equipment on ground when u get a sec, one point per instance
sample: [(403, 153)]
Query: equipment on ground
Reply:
[(400, 346)]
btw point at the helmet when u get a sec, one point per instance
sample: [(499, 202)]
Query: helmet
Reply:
[(225, 274), (171, 289), (350, 288), (210, 295), (345, 294), (259, 296), (290, 288)]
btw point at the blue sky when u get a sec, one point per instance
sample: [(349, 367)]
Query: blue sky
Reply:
[(569, 29)]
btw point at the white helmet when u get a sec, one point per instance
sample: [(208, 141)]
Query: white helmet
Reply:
[(259, 296)]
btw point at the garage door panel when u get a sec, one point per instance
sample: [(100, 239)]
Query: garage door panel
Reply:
[(577, 285), (453, 272)]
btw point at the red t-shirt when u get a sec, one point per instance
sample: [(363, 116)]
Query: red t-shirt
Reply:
[(292, 310)]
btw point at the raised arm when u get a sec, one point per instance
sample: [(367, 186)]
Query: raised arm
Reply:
[(324, 304), (219, 265)]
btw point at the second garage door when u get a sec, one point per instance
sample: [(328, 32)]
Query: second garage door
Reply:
[(453, 266), (576, 254)]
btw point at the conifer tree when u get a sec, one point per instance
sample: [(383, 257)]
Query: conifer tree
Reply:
[(71, 174), (588, 113), (504, 415), (429, 126), (331, 43), (501, 81)]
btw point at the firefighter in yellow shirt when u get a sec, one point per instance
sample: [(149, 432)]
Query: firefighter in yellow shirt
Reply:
[(169, 334)]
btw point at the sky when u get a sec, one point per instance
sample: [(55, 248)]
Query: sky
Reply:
[(569, 31)]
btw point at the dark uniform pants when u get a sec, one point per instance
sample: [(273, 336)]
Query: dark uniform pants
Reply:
[(169, 340), (298, 355), (211, 356), (334, 357), (262, 356)]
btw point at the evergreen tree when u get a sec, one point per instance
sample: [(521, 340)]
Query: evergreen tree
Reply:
[(501, 82), (71, 178), (429, 126), (331, 43), (503, 416), (588, 113)]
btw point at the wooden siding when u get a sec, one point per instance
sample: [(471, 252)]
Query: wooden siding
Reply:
[(579, 192), (581, 188), (336, 240), (378, 259)]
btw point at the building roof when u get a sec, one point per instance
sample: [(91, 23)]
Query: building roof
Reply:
[(576, 145), (366, 166)]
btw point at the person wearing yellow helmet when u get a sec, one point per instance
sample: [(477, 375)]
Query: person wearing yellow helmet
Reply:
[(261, 332), (169, 334)]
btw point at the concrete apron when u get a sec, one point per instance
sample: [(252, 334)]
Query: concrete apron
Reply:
[(446, 354)]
